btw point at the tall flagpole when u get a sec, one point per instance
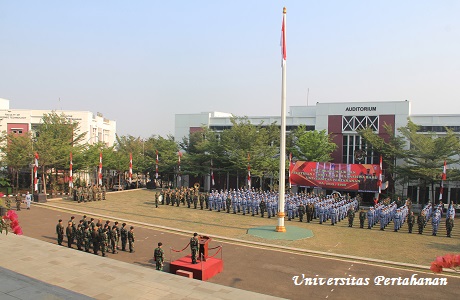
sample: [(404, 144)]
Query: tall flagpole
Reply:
[(282, 178)]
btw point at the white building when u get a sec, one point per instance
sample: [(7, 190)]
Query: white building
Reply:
[(97, 128), (342, 120)]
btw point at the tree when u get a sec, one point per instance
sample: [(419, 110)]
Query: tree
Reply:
[(391, 147), (420, 156), (56, 137), (17, 149), (426, 154), (311, 145)]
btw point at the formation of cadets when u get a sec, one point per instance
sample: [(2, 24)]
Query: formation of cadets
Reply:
[(93, 234), (323, 208), (254, 202), (435, 214), (90, 193)]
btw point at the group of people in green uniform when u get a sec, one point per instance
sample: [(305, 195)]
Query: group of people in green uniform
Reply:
[(89, 193), (93, 234)]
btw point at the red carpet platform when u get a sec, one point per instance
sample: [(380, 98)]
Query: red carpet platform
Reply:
[(203, 271)]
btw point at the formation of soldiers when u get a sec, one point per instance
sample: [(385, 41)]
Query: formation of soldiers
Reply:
[(90, 193), (93, 234), (435, 214), (254, 202), (323, 208), (385, 213)]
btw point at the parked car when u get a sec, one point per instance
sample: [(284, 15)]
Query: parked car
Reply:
[(118, 187)]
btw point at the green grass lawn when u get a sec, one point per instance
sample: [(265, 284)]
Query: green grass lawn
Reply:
[(386, 245)]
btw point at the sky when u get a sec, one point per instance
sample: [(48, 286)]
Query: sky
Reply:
[(141, 62)]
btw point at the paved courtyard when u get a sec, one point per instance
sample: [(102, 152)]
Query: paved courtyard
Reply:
[(246, 267)]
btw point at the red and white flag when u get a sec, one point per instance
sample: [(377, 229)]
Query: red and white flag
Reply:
[(178, 164), (36, 172), (283, 39), (212, 175), (249, 172), (70, 172), (290, 169), (156, 166), (380, 176), (443, 177), (100, 169), (130, 168)]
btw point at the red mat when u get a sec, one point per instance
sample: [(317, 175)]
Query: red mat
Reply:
[(202, 270)]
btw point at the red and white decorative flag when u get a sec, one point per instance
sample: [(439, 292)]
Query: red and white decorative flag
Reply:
[(212, 175), (156, 166), (178, 164), (290, 169), (380, 176), (249, 172), (130, 168), (283, 39), (99, 175), (36, 172), (443, 177), (70, 172)]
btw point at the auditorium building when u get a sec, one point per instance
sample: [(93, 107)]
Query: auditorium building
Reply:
[(342, 120)]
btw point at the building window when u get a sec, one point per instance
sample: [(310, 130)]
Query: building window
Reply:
[(16, 131), (356, 123), (356, 151)]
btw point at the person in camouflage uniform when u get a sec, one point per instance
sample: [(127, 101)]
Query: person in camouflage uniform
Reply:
[(421, 222), (200, 199), (156, 200), (95, 239), (194, 244), (79, 237), (362, 218), (262, 207), (449, 224), (228, 203), (131, 239), (103, 241), (118, 234), (109, 233), (18, 202), (60, 232), (70, 234), (195, 199), (113, 239), (351, 216), (411, 221), (123, 236), (104, 190), (8, 202), (87, 238), (159, 256)]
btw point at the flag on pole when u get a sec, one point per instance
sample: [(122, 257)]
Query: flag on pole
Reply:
[(130, 168), (100, 169), (212, 175), (380, 176), (249, 172), (283, 40), (178, 164), (443, 177), (290, 169), (70, 172), (36, 172), (156, 166)]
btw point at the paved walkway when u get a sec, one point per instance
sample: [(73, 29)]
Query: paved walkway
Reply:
[(247, 267), (42, 264)]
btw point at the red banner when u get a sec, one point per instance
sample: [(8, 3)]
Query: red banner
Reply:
[(347, 177)]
